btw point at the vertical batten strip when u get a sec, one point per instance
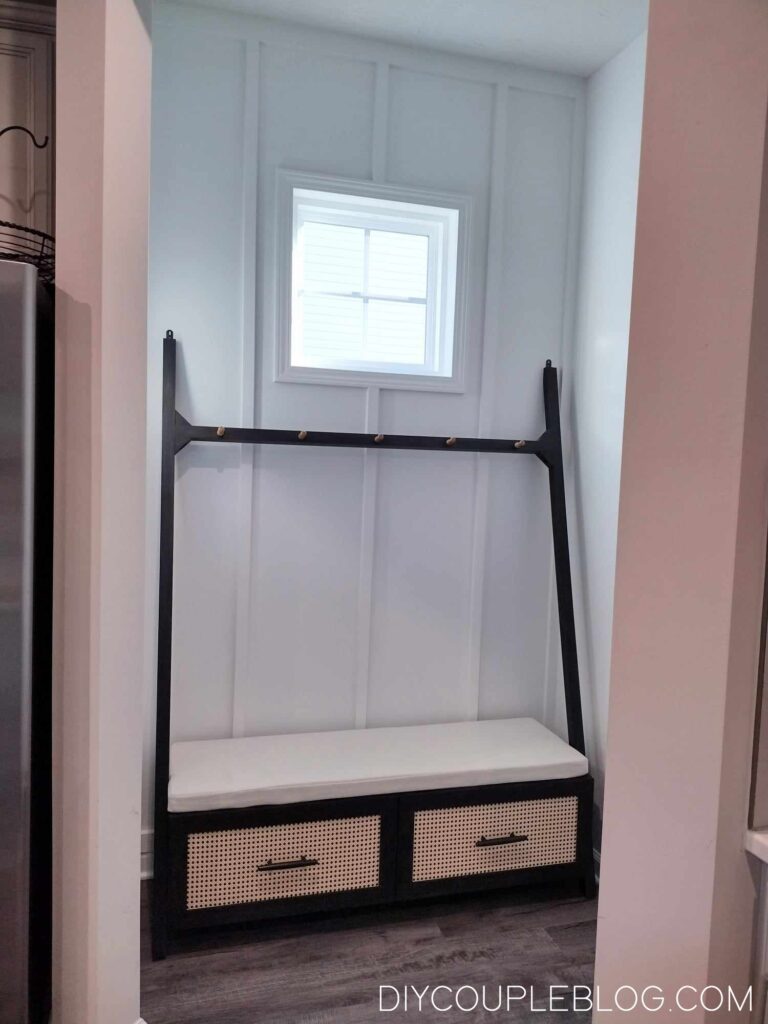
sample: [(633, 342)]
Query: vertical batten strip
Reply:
[(248, 453), (367, 548), (492, 341), (370, 460), (380, 123)]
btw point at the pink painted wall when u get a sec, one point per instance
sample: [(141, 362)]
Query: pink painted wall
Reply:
[(677, 895), (102, 175)]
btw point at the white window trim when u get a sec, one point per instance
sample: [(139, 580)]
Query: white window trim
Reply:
[(287, 181)]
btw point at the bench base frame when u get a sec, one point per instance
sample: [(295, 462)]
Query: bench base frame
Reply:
[(396, 813)]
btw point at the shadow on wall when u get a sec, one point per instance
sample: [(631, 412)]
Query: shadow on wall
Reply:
[(612, 161)]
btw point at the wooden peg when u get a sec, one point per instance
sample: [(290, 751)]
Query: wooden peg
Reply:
[(451, 441), (220, 431), (379, 438), (519, 444), (302, 435)]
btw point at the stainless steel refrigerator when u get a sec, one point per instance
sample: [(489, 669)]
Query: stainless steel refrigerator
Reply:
[(26, 518)]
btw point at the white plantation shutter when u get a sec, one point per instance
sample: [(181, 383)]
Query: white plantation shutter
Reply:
[(363, 295), (397, 303), (398, 264), (368, 284)]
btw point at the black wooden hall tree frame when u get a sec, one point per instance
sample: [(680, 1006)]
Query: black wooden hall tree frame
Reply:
[(171, 829)]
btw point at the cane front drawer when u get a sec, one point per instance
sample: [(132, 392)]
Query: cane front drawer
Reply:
[(282, 861), (451, 842)]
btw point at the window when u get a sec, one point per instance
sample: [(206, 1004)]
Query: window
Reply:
[(373, 287)]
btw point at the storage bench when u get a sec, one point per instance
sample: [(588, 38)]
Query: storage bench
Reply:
[(396, 814)]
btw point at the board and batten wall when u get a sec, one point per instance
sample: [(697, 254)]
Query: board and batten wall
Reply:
[(325, 589)]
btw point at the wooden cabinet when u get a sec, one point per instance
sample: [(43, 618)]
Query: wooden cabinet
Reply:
[(26, 98)]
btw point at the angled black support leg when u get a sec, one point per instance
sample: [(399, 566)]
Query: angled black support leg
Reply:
[(161, 882), (553, 459)]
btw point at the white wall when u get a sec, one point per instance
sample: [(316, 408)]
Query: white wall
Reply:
[(324, 589), (614, 103)]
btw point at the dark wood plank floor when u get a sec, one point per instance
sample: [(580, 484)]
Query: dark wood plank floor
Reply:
[(328, 971)]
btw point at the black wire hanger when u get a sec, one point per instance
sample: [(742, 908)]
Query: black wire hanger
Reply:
[(21, 128)]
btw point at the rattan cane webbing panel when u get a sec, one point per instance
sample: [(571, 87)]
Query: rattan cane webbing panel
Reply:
[(223, 867), (444, 839)]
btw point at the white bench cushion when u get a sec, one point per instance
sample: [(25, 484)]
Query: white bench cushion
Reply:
[(209, 775)]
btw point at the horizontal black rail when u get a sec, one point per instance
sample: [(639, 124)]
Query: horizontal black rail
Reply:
[(186, 432)]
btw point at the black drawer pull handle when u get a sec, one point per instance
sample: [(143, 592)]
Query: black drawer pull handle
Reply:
[(501, 840), (283, 865)]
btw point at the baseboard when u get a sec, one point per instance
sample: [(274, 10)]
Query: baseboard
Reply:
[(147, 842)]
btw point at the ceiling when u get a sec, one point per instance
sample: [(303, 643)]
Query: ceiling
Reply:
[(576, 36)]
